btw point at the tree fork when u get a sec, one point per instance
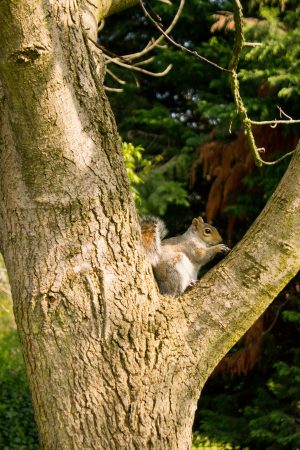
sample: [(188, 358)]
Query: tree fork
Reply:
[(111, 364)]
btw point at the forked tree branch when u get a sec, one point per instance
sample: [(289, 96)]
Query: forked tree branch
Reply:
[(176, 44), (230, 297), (153, 44)]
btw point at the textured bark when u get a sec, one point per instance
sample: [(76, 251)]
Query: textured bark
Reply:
[(108, 7), (95, 11), (111, 364)]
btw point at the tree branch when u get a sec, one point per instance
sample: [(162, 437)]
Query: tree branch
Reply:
[(109, 7), (181, 47), (140, 69), (247, 123), (94, 11), (152, 44), (248, 279), (275, 122)]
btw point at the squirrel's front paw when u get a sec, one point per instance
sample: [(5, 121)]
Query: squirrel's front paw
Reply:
[(224, 249)]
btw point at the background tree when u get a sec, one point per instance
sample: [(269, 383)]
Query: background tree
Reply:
[(128, 341)]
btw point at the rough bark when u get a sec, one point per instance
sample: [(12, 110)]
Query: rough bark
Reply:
[(111, 364), (109, 7), (95, 11)]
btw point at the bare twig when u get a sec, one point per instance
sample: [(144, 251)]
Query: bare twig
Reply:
[(253, 44), (140, 69), (104, 50), (176, 44), (274, 122), (114, 76), (146, 61), (282, 113), (101, 25), (110, 89), (278, 311), (118, 61), (154, 43)]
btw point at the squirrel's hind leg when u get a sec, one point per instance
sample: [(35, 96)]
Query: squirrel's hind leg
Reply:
[(174, 274)]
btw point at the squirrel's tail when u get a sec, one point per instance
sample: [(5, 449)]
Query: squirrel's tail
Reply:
[(153, 232)]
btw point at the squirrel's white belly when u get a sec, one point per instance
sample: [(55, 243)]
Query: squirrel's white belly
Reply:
[(186, 270)]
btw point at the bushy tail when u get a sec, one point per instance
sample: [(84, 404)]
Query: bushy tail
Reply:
[(153, 232)]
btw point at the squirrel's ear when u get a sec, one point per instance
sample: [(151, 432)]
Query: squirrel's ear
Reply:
[(197, 221)]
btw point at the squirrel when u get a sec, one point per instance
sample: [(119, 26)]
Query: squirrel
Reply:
[(176, 261)]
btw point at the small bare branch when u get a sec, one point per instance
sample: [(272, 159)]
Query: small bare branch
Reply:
[(271, 163), (139, 69), (253, 44), (114, 76), (117, 60), (110, 89), (5, 292), (186, 50), (146, 61), (274, 122), (278, 311), (101, 25), (282, 113), (154, 43)]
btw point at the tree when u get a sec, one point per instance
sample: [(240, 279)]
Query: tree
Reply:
[(111, 363)]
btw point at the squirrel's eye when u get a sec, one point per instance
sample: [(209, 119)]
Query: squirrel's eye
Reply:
[(207, 231)]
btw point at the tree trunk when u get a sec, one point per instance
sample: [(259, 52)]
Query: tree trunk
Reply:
[(111, 364)]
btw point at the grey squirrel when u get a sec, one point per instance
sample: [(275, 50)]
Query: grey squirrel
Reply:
[(176, 261)]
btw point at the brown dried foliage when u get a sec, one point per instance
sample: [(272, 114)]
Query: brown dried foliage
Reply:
[(223, 20), (226, 164)]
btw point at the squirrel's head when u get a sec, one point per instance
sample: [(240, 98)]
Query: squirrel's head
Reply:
[(206, 232)]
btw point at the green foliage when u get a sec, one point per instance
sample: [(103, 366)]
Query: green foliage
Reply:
[(161, 114), (17, 426), (136, 166), (165, 185), (274, 414), (152, 185), (203, 443), (280, 35)]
